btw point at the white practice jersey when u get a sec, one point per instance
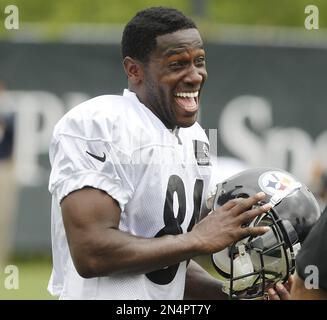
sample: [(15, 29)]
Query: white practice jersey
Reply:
[(158, 176)]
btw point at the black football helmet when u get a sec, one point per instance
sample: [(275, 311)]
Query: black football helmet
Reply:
[(253, 263)]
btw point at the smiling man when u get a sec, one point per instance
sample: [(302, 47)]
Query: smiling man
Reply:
[(173, 77), (130, 176)]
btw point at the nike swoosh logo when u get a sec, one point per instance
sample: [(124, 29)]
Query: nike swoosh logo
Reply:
[(102, 159)]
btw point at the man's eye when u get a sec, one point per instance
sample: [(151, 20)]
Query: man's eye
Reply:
[(176, 64), (200, 61)]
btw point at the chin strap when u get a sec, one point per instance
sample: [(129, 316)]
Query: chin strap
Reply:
[(242, 265)]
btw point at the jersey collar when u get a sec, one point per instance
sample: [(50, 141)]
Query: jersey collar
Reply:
[(132, 96)]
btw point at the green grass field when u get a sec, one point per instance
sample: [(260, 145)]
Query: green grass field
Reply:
[(33, 279)]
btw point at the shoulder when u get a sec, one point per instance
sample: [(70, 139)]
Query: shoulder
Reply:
[(93, 110), (100, 118), (118, 120)]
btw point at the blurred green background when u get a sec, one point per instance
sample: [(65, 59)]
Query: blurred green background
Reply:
[(55, 15), (33, 277), (52, 17), (34, 273), (261, 12)]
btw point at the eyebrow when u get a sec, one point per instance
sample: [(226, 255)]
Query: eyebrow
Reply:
[(171, 52)]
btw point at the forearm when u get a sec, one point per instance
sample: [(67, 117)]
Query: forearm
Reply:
[(118, 252), (200, 285)]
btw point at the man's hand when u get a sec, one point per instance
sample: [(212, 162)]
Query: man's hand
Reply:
[(228, 223), (281, 291), (294, 289)]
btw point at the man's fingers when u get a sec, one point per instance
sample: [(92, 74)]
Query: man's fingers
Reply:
[(289, 283), (247, 203), (273, 295), (232, 203), (248, 216), (282, 292), (255, 231)]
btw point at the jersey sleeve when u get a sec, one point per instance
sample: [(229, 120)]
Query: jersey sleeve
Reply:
[(78, 161), (313, 252)]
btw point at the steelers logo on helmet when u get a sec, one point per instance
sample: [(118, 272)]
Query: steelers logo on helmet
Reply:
[(252, 264), (272, 182)]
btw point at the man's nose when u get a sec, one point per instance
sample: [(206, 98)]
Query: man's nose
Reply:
[(194, 76)]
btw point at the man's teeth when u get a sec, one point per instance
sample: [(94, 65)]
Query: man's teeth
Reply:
[(187, 94)]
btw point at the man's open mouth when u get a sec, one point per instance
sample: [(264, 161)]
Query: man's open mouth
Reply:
[(188, 101)]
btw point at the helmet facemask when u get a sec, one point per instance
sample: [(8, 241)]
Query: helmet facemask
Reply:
[(253, 264)]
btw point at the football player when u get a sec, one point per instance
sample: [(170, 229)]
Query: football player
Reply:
[(130, 174)]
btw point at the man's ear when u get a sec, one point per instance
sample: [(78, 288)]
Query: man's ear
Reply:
[(134, 70)]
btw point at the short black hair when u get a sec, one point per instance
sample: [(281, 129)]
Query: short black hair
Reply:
[(139, 36)]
